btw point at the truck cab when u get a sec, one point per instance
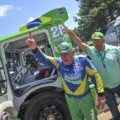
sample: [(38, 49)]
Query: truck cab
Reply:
[(30, 89)]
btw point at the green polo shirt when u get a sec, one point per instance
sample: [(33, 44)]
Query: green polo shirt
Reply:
[(107, 64)]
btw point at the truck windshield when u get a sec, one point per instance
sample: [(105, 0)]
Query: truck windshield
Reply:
[(24, 70)]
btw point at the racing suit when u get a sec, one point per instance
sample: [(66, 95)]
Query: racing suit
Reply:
[(75, 84)]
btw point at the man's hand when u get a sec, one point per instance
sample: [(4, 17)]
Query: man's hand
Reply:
[(101, 102), (65, 29), (30, 42), (75, 39)]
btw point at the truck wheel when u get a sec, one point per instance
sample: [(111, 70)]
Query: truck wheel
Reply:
[(47, 106)]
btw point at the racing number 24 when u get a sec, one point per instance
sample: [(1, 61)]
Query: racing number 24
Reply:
[(57, 31)]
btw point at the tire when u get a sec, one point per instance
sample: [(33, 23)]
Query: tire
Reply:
[(47, 106)]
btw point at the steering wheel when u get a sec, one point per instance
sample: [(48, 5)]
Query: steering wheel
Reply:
[(30, 60)]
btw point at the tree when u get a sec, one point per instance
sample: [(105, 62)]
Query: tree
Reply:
[(94, 15)]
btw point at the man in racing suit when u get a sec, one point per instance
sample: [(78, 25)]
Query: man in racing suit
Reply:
[(74, 72)]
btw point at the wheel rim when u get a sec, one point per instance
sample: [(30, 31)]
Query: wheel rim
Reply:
[(6, 116), (50, 113)]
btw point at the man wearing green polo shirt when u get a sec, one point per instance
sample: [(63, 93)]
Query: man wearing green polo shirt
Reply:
[(106, 59)]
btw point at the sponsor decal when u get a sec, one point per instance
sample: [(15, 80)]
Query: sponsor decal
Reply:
[(61, 11), (92, 113)]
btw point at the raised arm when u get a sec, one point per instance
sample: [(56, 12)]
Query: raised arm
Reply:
[(76, 39), (47, 60)]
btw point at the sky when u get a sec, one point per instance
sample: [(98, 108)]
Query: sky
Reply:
[(16, 13)]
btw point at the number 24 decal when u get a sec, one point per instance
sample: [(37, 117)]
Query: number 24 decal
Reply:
[(57, 31)]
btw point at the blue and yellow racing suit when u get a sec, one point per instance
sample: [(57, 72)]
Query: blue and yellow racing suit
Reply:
[(75, 83)]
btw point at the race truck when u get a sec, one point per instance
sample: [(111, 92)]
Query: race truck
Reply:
[(29, 89)]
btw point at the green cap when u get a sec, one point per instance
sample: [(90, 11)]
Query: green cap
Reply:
[(97, 36), (64, 47)]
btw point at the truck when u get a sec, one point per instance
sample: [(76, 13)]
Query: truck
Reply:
[(29, 89), (117, 29), (112, 32)]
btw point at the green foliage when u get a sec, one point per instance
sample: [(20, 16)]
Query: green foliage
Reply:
[(94, 15)]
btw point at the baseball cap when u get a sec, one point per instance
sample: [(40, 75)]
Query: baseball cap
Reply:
[(64, 47), (97, 36)]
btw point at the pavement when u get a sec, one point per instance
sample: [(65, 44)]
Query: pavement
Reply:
[(106, 115)]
